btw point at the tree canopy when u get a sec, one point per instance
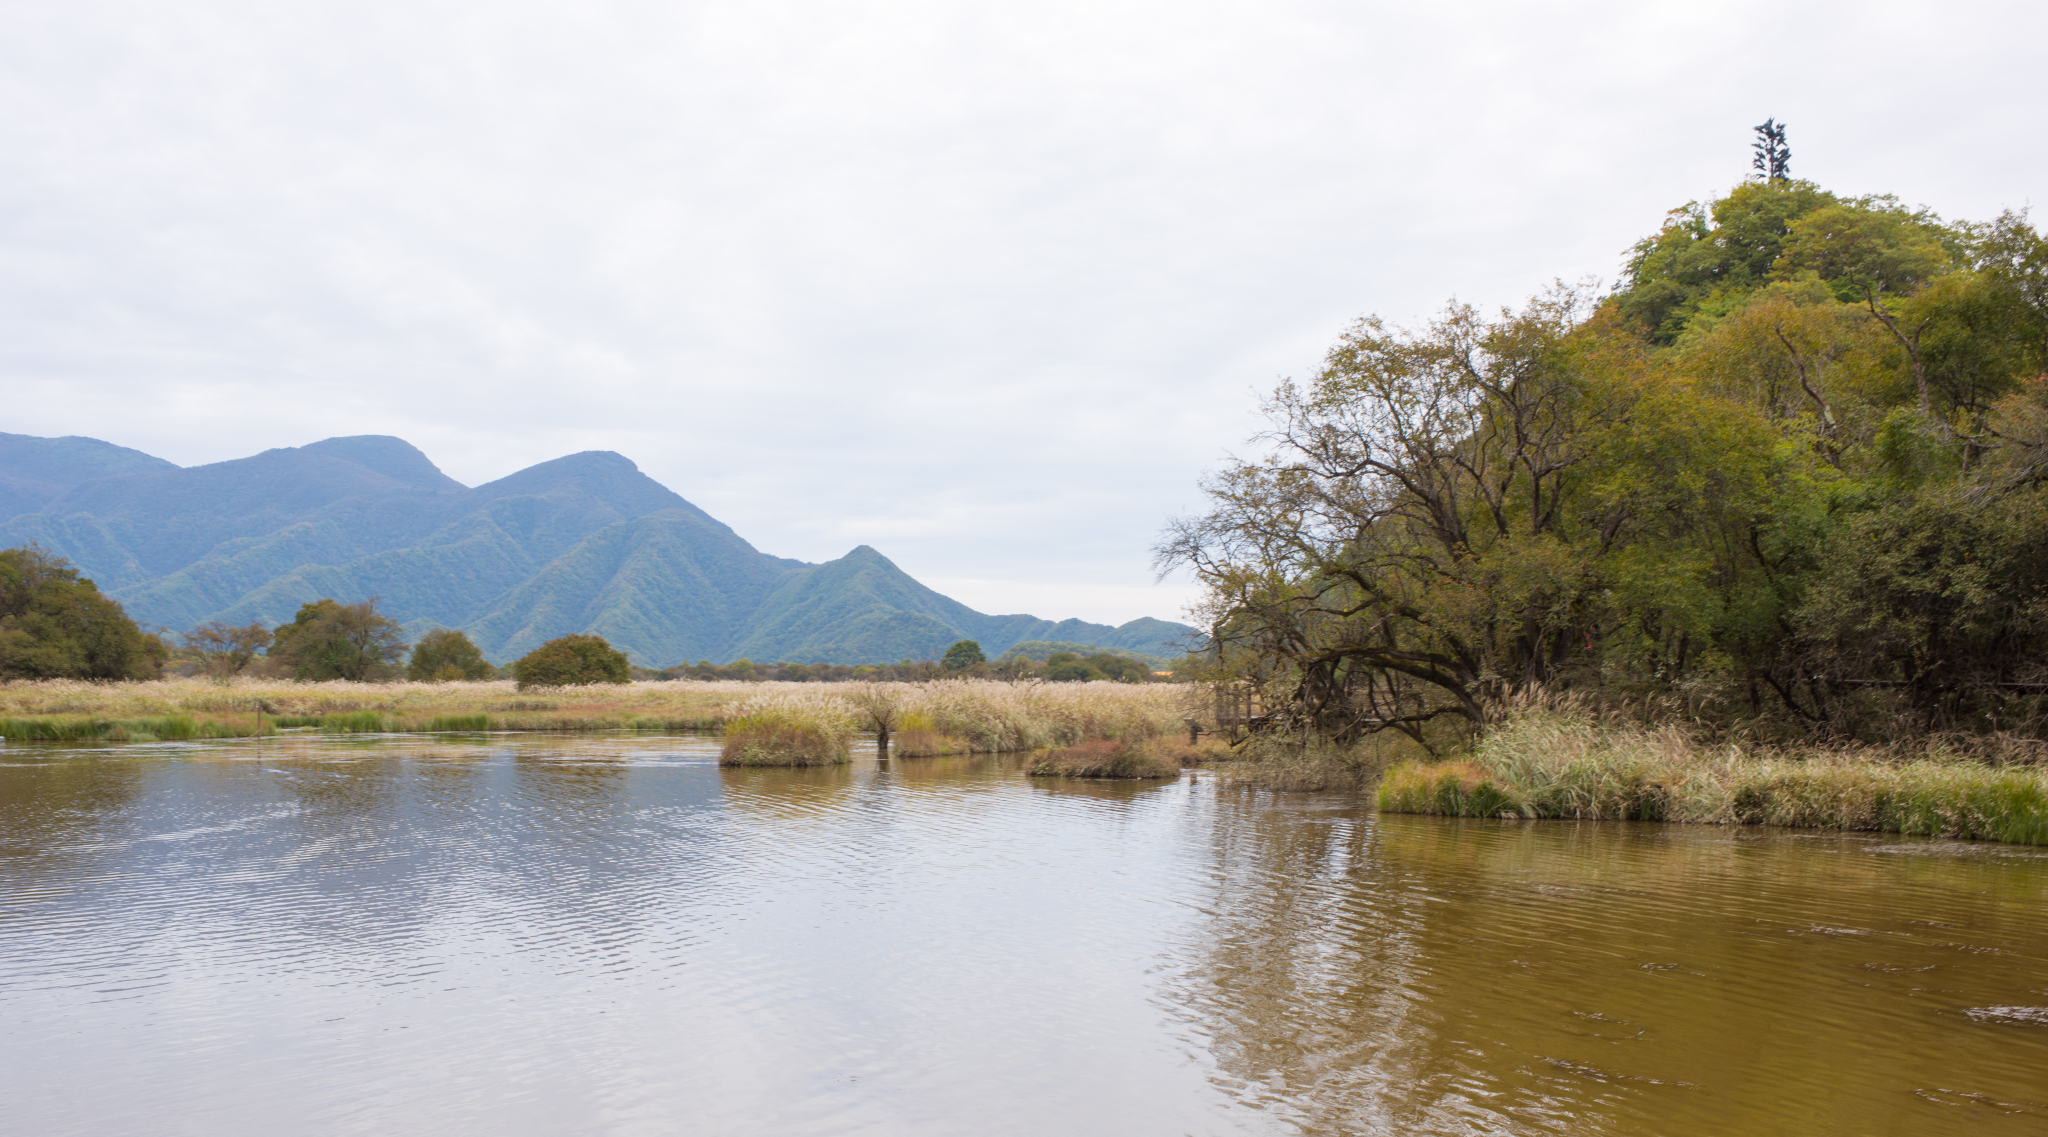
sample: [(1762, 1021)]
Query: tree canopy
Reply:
[(963, 655), (572, 661), (446, 654), (228, 648), (1793, 467), (56, 625), (331, 640)]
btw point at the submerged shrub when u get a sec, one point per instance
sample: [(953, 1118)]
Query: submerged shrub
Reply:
[(1106, 758), (918, 737), (1278, 764), (788, 732)]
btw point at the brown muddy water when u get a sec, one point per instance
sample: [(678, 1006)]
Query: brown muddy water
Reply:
[(521, 934)]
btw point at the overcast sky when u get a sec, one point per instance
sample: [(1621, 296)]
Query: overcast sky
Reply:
[(986, 286)]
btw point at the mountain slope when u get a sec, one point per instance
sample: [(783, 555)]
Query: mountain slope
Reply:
[(36, 471), (583, 543)]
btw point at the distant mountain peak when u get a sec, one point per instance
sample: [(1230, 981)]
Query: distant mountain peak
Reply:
[(392, 457)]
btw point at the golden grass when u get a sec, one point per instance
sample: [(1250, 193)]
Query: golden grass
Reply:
[(1106, 758), (978, 716), (789, 728), (1566, 764)]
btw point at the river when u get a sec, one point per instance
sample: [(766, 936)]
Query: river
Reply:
[(520, 934)]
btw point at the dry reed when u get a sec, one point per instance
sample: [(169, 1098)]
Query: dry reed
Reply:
[(1565, 763), (1105, 758), (979, 716)]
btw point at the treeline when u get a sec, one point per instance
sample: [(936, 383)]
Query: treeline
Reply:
[(962, 660), (53, 625), (1789, 475)]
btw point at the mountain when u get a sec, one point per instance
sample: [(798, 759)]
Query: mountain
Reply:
[(36, 471), (583, 543)]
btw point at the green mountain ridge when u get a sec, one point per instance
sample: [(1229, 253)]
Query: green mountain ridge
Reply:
[(582, 543)]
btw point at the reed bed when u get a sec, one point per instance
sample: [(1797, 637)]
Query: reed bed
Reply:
[(1563, 765), (917, 735), (950, 716), (994, 717), (789, 728), (1105, 758)]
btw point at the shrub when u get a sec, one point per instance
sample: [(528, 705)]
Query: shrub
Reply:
[(572, 661), (447, 654)]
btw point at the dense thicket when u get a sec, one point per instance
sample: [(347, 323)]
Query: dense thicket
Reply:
[(55, 625), (1790, 471)]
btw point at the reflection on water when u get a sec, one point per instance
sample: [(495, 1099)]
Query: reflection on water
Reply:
[(525, 934)]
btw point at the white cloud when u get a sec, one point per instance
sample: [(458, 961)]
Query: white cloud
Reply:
[(984, 286)]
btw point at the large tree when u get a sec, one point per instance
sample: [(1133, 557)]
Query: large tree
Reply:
[(446, 654), (331, 640), (1796, 463), (227, 648), (56, 625)]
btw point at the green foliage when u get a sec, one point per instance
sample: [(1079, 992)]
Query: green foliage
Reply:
[(571, 661), (1794, 473), (446, 654), (330, 640), (1070, 667), (1039, 651), (55, 625), (355, 722), (1730, 246), (962, 655), (1066, 667)]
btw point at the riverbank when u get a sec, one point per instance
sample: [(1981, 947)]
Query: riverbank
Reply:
[(1551, 765), (983, 715)]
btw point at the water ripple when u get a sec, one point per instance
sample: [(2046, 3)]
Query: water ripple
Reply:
[(533, 934)]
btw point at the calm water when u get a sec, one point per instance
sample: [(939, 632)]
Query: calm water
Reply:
[(612, 935)]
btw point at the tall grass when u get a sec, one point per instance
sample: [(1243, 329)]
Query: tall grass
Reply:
[(957, 715), (1105, 758), (1568, 764), (789, 730), (141, 728)]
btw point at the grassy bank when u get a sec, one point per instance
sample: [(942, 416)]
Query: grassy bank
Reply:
[(976, 716), (1561, 765)]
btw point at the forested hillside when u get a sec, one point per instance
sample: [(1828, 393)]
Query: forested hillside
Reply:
[(585, 543), (1790, 474)]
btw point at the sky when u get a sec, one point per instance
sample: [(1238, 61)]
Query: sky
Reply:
[(989, 287)]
